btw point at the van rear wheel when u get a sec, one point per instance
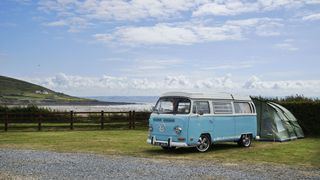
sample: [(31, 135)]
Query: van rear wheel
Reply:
[(245, 140), (205, 143)]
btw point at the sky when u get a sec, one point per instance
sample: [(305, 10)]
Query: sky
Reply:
[(148, 47)]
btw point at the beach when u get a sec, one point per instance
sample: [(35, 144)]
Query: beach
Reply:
[(145, 107)]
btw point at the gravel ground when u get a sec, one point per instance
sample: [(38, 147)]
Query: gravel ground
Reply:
[(27, 164)]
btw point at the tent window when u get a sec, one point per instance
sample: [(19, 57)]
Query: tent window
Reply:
[(242, 108), (267, 118), (279, 124), (222, 107)]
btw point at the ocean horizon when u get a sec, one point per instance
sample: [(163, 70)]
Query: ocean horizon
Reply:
[(126, 99)]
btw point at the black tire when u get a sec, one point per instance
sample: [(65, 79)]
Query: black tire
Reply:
[(205, 143), (245, 140), (166, 148)]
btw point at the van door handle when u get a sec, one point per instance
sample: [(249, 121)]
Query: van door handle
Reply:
[(211, 121)]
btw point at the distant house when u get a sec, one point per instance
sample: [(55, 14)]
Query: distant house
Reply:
[(42, 92)]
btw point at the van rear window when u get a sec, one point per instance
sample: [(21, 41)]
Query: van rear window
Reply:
[(173, 105), (242, 108)]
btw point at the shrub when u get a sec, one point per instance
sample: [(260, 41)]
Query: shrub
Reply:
[(22, 114)]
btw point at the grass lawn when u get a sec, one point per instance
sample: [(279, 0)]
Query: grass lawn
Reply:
[(304, 152)]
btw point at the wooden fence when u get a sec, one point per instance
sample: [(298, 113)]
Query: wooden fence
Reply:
[(71, 120)]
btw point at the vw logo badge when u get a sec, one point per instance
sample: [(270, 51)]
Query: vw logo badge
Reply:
[(162, 128)]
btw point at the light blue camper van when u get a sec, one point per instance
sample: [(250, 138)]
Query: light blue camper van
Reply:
[(199, 120)]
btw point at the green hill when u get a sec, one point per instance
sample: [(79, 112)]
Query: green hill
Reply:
[(16, 92)]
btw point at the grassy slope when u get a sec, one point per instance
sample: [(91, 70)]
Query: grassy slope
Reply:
[(303, 152), (17, 90)]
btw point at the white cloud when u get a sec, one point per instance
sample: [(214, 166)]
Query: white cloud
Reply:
[(158, 34), (224, 82), (160, 9), (74, 24), (312, 1), (259, 26), (268, 5), (225, 8), (232, 66), (57, 23), (117, 85), (236, 7), (255, 86), (77, 14), (311, 17), (103, 37), (190, 32), (254, 83), (118, 9), (286, 45), (113, 85), (269, 29)]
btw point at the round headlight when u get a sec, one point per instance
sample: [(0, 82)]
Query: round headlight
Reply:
[(178, 129), (150, 129)]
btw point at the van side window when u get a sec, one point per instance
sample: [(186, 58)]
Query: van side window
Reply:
[(201, 107), (183, 108), (222, 107), (242, 108)]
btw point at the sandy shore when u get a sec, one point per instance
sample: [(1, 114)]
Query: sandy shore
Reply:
[(111, 108)]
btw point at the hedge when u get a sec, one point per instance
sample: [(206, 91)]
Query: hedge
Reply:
[(308, 115)]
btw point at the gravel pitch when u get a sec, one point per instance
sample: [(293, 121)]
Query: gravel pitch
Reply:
[(28, 164)]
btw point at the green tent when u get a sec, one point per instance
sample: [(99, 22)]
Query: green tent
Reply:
[(275, 122)]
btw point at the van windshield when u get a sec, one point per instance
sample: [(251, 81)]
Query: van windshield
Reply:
[(173, 105)]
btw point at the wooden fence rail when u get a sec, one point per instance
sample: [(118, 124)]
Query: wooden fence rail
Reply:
[(102, 119)]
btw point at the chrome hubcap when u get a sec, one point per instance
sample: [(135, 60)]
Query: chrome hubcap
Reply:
[(246, 141), (204, 144)]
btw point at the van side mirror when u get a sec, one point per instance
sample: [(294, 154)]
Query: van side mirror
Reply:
[(154, 109)]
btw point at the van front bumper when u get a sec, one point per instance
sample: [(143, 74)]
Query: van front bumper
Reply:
[(168, 143)]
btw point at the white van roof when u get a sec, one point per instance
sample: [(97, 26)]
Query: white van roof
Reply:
[(207, 96)]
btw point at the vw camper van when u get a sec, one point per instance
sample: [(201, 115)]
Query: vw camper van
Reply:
[(199, 120)]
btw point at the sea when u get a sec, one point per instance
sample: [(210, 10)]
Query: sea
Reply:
[(127, 99), (135, 103)]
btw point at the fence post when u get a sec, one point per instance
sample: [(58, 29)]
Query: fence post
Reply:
[(39, 122), (130, 120), (102, 120), (6, 119), (71, 120), (134, 119)]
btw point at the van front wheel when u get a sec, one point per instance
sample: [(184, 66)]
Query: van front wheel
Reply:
[(205, 143)]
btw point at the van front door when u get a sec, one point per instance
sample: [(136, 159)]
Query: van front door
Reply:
[(200, 121)]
